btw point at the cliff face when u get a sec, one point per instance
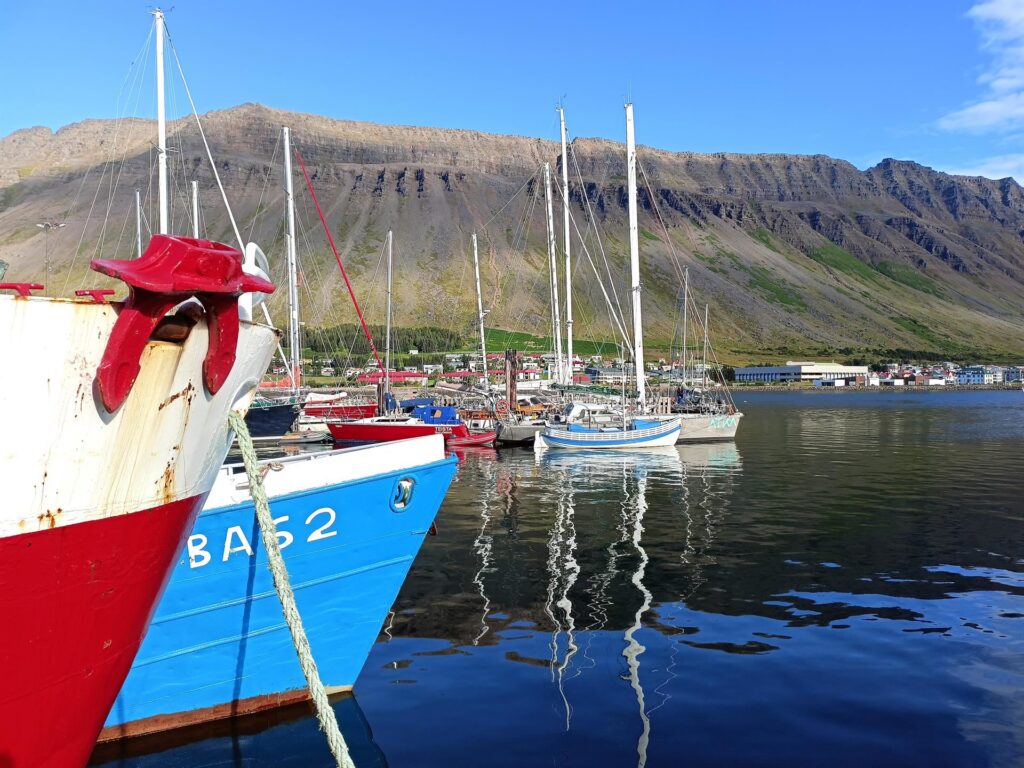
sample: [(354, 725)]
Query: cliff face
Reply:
[(795, 254)]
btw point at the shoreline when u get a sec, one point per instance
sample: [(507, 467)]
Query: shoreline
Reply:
[(1012, 387)]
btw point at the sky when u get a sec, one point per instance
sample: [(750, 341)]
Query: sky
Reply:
[(936, 81)]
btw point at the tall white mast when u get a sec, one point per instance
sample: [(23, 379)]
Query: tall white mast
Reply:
[(568, 258), (686, 312), (704, 365), (634, 261), (387, 329), (480, 310), (161, 121), (195, 209), (295, 353), (559, 377), (138, 224)]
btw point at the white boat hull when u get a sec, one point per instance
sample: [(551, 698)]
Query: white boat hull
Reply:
[(703, 427)]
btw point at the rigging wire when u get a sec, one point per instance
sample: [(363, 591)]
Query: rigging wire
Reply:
[(344, 274), (129, 83), (679, 271)]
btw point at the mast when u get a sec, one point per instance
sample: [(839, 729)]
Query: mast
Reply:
[(295, 361), (686, 298), (138, 224), (387, 329), (161, 121), (195, 209), (568, 257), (705, 363), (480, 310), (557, 322), (634, 261)]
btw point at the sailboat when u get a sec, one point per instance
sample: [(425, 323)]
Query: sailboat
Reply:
[(592, 425), (275, 416), (103, 478), (706, 412), (350, 521), (423, 420)]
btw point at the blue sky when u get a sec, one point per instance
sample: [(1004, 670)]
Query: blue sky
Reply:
[(937, 81)]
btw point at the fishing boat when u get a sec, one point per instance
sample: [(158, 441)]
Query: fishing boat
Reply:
[(104, 484), (350, 523), (104, 475), (584, 425)]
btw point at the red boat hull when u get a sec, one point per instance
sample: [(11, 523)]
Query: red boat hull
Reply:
[(380, 432), (358, 411), (473, 439), (384, 431), (76, 602)]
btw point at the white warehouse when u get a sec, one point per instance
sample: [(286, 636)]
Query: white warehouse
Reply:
[(800, 371)]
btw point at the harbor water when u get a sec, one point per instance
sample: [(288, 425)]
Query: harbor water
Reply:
[(843, 585)]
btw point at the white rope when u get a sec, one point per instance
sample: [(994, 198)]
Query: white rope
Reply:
[(268, 531)]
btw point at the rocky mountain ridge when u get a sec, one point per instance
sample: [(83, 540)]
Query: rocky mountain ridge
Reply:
[(796, 254)]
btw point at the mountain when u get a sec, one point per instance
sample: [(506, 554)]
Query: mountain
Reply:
[(796, 255)]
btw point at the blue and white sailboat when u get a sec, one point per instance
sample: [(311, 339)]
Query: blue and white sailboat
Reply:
[(589, 425), (350, 523)]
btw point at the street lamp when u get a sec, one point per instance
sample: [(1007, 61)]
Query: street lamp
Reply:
[(46, 226)]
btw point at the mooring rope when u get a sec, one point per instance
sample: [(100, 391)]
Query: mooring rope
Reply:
[(268, 531)]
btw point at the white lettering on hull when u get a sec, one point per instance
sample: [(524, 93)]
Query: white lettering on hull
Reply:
[(235, 540)]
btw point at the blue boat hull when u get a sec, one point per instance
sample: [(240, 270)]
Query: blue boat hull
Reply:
[(271, 420), (219, 637)]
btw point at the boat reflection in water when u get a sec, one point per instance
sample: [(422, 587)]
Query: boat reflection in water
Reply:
[(621, 477)]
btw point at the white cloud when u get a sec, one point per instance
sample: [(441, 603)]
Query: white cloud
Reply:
[(998, 167), (1001, 23)]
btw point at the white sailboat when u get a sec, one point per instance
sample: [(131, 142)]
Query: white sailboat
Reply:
[(706, 411), (589, 425)]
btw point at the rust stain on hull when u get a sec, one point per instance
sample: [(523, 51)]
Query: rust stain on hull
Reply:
[(48, 519), (187, 392)]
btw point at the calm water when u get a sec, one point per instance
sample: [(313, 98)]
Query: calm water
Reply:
[(843, 585)]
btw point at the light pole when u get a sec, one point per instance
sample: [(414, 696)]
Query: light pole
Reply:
[(46, 226)]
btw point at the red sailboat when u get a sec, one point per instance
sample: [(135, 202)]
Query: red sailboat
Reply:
[(424, 420)]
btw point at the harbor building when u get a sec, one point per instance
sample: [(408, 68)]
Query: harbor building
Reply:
[(800, 371), (980, 374), (605, 376)]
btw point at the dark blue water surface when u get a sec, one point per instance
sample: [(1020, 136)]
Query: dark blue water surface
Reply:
[(843, 586)]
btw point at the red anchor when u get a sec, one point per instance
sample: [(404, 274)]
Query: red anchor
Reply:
[(172, 270)]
